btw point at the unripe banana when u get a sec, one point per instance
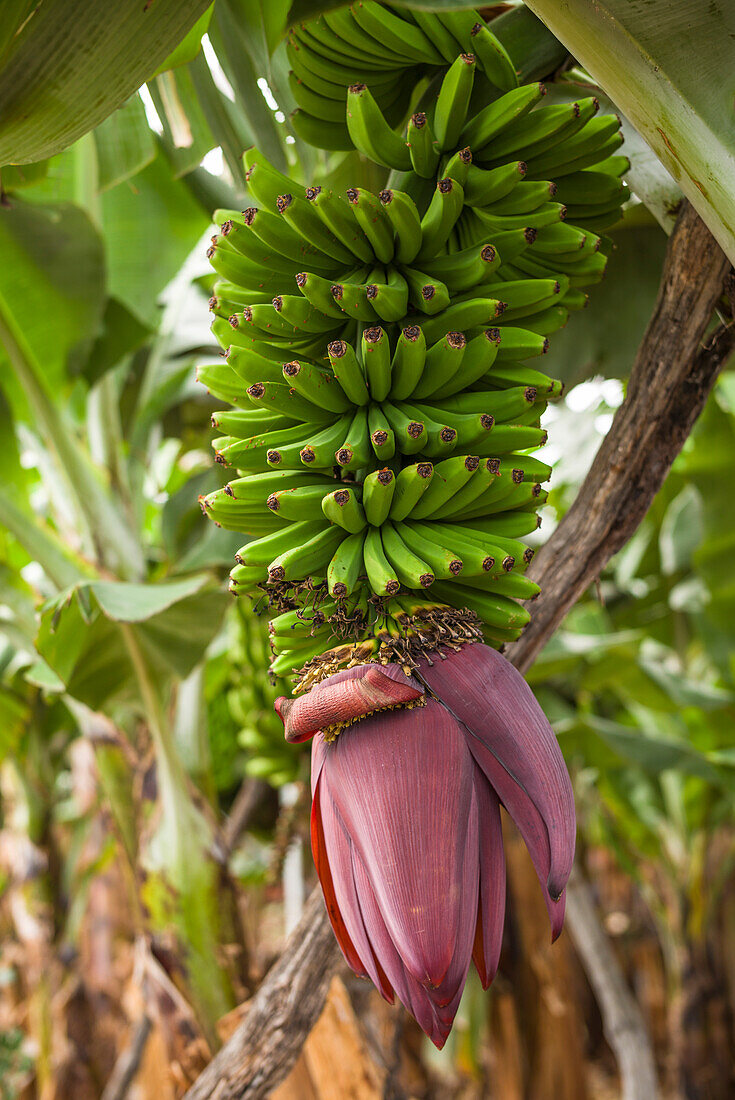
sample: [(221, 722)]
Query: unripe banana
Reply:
[(317, 386), (422, 145), (346, 566), (370, 132), (382, 437), (343, 508), (348, 371), (376, 360), (408, 362), (411, 570), (453, 100), (377, 495), (411, 484), (381, 575)]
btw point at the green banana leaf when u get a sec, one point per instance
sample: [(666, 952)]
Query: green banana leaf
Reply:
[(53, 268), (81, 640), (668, 67), (73, 62)]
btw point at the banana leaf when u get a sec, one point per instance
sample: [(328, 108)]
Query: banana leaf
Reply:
[(73, 62), (668, 68)]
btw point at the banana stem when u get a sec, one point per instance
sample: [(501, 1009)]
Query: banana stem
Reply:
[(116, 546)]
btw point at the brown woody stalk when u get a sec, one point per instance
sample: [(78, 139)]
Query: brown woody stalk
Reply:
[(669, 384)]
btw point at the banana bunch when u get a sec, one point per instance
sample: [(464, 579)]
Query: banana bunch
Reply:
[(376, 347), (550, 171), (392, 49), (250, 703)]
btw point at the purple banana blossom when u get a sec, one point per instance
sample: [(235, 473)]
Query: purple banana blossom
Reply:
[(405, 822)]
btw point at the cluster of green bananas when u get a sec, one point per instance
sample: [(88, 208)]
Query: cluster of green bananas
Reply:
[(395, 49), (250, 703), (375, 348)]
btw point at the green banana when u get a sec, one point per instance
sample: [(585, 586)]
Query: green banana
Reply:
[(286, 401), (438, 221), (404, 217), (299, 502), (304, 220), (463, 315), (411, 570), (381, 434), (251, 367), (343, 508), (373, 221), (389, 299), (546, 322), (222, 382), (251, 453), (441, 438), (316, 131), (339, 219), (468, 268), (262, 551), (505, 438), (320, 387), (370, 132), (312, 449), (436, 32), (442, 362), (525, 198), (458, 166), (318, 291), (306, 557), (380, 573), (484, 187), (513, 585), (426, 294), (275, 233), (523, 297), (592, 142), (265, 183), (450, 110), (449, 478), (543, 129), (301, 316), (519, 343), (476, 558), (346, 566), (244, 423), (353, 300), (411, 435), (444, 564), (485, 477), (245, 577), (377, 495), (493, 57), (411, 484), (478, 359), (355, 450), (498, 611), (423, 149), (484, 127), (408, 361), (400, 36), (348, 371), (376, 360)]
